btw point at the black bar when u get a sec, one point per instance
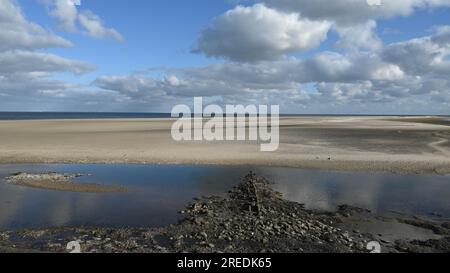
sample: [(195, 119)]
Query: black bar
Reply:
[(234, 262)]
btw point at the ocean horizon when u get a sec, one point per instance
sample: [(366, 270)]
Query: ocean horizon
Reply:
[(133, 115)]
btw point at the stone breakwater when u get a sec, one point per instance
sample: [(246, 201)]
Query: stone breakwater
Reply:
[(253, 218)]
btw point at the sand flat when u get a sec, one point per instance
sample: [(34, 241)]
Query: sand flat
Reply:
[(60, 182), (337, 143)]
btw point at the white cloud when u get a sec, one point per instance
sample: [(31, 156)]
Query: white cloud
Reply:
[(94, 26), (361, 36), (133, 86), (24, 71), (17, 33), (65, 13), (69, 18), (19, 61), (350, 12), (338, 80), (260, 33), (347, 92), (422, 56), (364, 76), (354, 20), (276, 28), (30, 85)]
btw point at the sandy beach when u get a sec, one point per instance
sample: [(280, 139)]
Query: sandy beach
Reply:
[(415, 145)]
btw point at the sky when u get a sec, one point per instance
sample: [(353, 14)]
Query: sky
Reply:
[(308, 56)]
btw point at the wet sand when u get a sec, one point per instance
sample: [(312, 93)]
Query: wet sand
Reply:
[(395, 144), (60, 182)]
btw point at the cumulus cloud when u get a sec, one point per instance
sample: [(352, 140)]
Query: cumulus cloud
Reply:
[(30, 85), (69, 19), (257, 43), (94, 26), (133, 86), (361, 36), (354, 21), (17, 33), (260, 33), (24, 71), (350, 12), (65, 13), (19, 61), (140, 87), (384, 76), (422, 56)]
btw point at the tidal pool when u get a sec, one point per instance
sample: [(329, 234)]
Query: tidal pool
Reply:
[(158, 192)]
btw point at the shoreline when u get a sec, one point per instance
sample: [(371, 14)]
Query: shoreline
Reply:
[(60, 182), (393, 167)]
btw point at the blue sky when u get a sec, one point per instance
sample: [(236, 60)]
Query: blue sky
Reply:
[(156, 34), (307, 56)]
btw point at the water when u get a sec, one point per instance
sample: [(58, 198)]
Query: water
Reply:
[(74, 115), (159, 191), (120, 115)]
